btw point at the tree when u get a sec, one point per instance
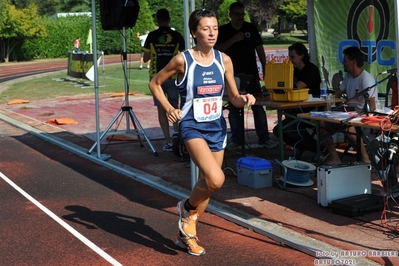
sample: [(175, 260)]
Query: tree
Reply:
[(175, 9), (145, 20), (294, 11), (19, 4), (48, 8), (76, 6), (3, 13), (224, 12), (18, 25), (261, 11), (211, 4), (258, 10), (111, 41)]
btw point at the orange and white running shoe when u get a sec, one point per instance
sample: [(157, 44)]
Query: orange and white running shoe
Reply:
[(190, 244), (187, 221)]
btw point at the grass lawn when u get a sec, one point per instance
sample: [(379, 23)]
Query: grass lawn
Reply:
[(285, 40), (111, 80)]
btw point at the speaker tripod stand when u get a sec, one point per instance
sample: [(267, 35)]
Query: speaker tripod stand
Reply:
[(128, 110)]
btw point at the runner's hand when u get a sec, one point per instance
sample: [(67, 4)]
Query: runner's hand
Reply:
[(174, 115)]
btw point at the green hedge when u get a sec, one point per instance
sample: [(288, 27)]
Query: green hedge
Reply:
[(62, 33)]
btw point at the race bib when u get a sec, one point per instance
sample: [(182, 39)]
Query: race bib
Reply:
[(207, 109)]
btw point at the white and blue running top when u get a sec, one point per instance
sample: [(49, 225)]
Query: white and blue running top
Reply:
[(201, 93)]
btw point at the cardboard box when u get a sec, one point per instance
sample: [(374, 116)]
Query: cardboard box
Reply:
[(254, 172), (342, 181)]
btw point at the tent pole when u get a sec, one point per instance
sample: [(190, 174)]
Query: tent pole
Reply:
[(397, 36), (190, 43), (311, 31), (186, 29), (95, 65)]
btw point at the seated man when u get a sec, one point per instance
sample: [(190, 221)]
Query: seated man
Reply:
[(306, 75), (356, 80)]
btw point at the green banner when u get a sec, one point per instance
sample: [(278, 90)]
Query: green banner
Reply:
[(367, 24)]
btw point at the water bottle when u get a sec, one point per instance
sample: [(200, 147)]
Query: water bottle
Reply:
[(323, 89)]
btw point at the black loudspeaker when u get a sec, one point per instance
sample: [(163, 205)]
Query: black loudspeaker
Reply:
[(116, 14)]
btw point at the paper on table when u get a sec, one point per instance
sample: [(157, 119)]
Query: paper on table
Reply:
[(386, 111), (333, 114), (359, 118), (313, 99)]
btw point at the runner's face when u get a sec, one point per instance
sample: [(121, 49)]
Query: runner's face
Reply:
[(207, 31)]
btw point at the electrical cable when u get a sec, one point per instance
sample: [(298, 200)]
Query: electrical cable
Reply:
[(231, 169), (388, 148)]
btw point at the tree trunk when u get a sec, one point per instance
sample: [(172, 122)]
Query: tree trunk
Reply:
[(2, 50), (279, 25), (5, 50)]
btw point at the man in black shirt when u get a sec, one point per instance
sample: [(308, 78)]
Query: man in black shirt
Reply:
[(239, 40), (306, 75), (160, 47)]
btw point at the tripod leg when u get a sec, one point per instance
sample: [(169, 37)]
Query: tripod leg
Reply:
[(132, 117), (106, 130), (135, 122)]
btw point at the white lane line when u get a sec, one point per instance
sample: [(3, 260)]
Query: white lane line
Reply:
[(86, 241)]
